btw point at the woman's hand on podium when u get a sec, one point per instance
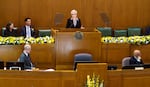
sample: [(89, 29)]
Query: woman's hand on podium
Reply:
[(82, 27), (35, 69)]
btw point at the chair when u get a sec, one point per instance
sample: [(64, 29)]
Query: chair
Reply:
[(119, 33), (82, 57), (106, 31), (134, 31), (126, 62), (3, 30), (45, 32)]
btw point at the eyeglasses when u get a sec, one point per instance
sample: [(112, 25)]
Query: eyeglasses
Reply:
[(73, 14)]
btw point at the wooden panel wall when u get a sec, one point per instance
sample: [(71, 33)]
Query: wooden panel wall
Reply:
[(145, 49), (42, 55), (67, 46), (114, 53), (122, 13)]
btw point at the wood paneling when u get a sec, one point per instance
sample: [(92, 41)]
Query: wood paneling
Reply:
[(62, 57), (122, 13), (67, 46), (10, 52), (10, 11), (42, 55), (37, 79), (129, 78), (89, 69), (114, 53), (114, 78), (145, 49), (58, 78)]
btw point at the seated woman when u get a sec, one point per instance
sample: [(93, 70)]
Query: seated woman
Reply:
[(74, 21), (10, 30)]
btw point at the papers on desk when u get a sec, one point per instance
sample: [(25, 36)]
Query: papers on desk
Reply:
[(49, 70), (139, 68), (28, 70), (46, 70)]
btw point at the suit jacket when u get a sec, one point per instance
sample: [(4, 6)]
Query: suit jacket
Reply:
[(27, 61), (71, 25), (23, 31), (134, 61), (147, 31)]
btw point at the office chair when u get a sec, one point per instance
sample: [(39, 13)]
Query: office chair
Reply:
[(126, 62), (82, 57)]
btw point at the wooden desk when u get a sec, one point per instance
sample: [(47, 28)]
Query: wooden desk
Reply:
[(70, 78), (129, 78), (67, 45), (58, 78), (37, 79)]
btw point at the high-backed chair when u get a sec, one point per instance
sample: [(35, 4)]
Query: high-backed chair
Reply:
[(3, 30), (134, 31), (45, 32), (82, 57), (119, 33), (106, 31), (126, 61)]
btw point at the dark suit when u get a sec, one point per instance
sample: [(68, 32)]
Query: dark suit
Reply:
[(134, 61), (27, 61), (10, 33), (23, 31), (71, 25), (147, 31)]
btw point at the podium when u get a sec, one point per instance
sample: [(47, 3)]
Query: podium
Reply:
[(69, 42)]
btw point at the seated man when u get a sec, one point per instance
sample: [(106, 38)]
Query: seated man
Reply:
[(147, 31), (136, 58), (26, 30), (25, 57)]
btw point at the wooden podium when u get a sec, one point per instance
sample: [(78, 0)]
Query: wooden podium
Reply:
[(69, 42)]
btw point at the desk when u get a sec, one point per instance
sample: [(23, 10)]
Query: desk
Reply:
[(37, 79), (58, 78), (70, 78), (129, 78)]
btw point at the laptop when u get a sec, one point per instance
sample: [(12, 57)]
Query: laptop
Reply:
[(11, 65), (146, 65), (133, 66), (1, 65)]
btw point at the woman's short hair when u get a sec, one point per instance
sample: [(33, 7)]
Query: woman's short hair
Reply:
[(73, 11)]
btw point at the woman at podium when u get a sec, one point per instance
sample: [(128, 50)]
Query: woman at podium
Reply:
[(74, 21)]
